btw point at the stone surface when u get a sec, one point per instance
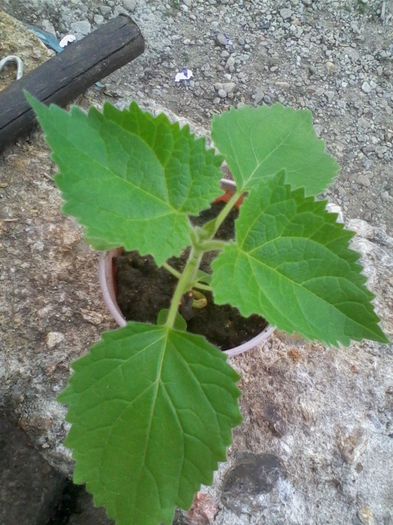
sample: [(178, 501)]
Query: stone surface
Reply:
[(48, 313), (29, 487)]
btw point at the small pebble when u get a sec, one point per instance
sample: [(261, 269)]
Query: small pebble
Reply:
[(83, 27), (221, 39), (48, 26), (330, 67), (98, 19), (230, 62), (228, 87), (105, 10), (53, 339), (286, 13), (130, 5), (363, 180), (363, 122), (366, 88), (91, 316), (366, 516)]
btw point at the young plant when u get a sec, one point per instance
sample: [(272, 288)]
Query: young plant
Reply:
[(152, 407)]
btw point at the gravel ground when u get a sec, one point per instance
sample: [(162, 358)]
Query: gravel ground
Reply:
[(333, 57)]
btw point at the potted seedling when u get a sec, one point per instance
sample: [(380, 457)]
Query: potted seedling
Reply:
[(135, 288), (152, 406)]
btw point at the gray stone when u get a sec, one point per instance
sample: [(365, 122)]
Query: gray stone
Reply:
[(81, 28), (366, 87), (229, 87), (251, 476), (286, 13), (48, 26), (130, 5), (29, 487), (231, 64), (222, 93), (364, 123), (363, 180), (98, 19), (330, 67), (258, 95), (53, 339), (275, 421), (221, 39), (105, 10)]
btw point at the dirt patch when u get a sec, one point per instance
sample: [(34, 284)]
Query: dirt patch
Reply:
[(144, 290)]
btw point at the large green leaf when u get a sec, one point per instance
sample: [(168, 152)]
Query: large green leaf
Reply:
[(293, 266), (258, 143), (131, 179), (152, 411)]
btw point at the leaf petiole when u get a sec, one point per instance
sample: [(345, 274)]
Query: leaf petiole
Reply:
[(195, 284), (224, 213), (184, 284), (172, 270), (202, 286), (214, 245)]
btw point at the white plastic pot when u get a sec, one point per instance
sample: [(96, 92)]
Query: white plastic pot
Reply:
[(107, 282)]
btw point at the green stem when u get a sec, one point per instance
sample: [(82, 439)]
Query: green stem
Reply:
[(213, 245), (172, 270), (184, 284), (225, 211), (202, 286), (187, 279)]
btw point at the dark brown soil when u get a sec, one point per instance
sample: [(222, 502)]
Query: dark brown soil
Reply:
[(144, 290)]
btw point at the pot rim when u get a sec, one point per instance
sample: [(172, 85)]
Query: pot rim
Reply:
[(106, 279)]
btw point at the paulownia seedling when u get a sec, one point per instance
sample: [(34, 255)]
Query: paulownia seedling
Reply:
[(152, 407)]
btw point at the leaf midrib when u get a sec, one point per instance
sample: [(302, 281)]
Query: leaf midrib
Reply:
[(152, 411), (259, 163), (115, 174)]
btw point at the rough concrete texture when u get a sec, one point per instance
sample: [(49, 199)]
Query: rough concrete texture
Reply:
[(29, 487), (51, 309), (15, 40), (315, 447)]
